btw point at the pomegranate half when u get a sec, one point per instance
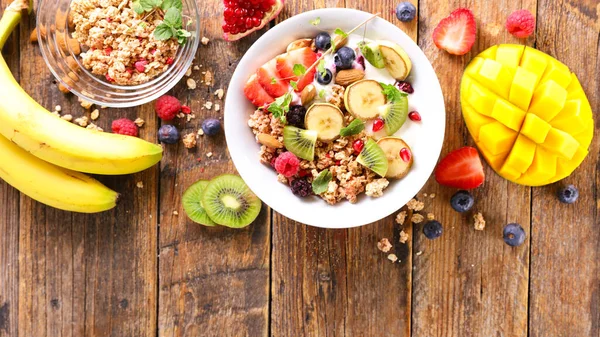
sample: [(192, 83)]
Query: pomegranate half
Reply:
[(242, 17)]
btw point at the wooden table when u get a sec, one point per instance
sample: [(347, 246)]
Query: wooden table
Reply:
[(142, 270)]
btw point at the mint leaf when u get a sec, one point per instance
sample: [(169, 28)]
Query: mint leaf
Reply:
[(182, 35), (340, 32), (321, 68), (173, 18), (281, 106), (316, 21), (321, 93), (391, 92), (294, 85), (137, 7), (273, 80), (166, 4), (321, 182), (164, 32), (355, 127), (299, 69)]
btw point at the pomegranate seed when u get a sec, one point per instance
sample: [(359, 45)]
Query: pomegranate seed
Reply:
[(249, 23), (108, 78), (414, 116), (377, 125), (303, 173), (405, 154), (152, 51), (140, 65), (405, 86), (358, 145), (169, 61), (129, 71), (328, 155), (186, 109), (255, 22), (337, 162), (107, 51), (109, 20)]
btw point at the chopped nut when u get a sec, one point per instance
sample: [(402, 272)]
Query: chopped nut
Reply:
[(58, 108), (188, 72), (415, 205), (419, 253), (196, 68), (208, 105), (403, 236), (430, 216), (209, 154), (180, 115), (424, 195), (432, 195), (392, 257), (55, 113), (140, 184), (191, 84), (208, 77), (282, 179), (479, 222), (401, 217), (384, 245), (93, 126), (82, 121), (85, 104), (190, 117), (417, 218), (189, 140), (175, 213), (139, 122), (95, 114), (217, 107), (68, 118), (205, 40), (201, 132), (219, 93)]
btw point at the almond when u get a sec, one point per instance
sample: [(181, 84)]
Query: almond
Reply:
[(349, 76), (339, 41), (308, 94), (302, 43), (33, 36), (268, 140)]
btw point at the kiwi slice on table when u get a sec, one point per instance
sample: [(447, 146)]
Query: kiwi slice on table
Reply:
[(300, 142), (373, 158), (192, 204), (229, 202), (394, 115)]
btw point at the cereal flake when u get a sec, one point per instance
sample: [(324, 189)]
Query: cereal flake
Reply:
[(384, 245), (479, 221)]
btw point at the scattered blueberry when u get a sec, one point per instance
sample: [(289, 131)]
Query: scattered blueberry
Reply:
[(432, 229), (301, 187), (168, 134), (568, 195), (514, 234), (462, 201), (343, 58), (211, 126), (406, 11), (323, 41), (324, 78), (296, 116)]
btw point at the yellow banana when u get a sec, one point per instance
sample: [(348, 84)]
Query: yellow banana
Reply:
[(29, 125), (52, 185)]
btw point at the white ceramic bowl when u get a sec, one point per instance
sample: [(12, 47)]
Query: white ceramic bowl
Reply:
[(425, 138)]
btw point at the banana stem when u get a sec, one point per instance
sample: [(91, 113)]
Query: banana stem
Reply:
[(11, 18)]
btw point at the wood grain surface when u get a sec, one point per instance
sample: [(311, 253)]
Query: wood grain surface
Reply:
[(144, 269)]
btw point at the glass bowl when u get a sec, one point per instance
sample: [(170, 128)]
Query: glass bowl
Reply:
[(53, 36)]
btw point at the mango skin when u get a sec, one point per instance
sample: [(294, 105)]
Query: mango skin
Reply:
[(527, 113)]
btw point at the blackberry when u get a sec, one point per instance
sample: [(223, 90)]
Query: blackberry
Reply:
[(301, 187), (296, 116)]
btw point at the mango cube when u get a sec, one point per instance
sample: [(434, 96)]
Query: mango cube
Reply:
[(510, 54), (508, 114), (585, 138), (565, 167), (521, 155), (496, 77), (474, 67), (561, 143), (569, 119), (481, 99), (475, 121), (574, 90), (495, 161), (543, 166), (557, 72), (535, 128), (497, 138), (534, 61), (548, 100), (509, 172), (522, 88), (489, 53)]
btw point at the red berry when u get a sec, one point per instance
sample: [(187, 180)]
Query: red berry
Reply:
[(456, 33), (169, 60), (109, 20), (303, 173), (186, 109), (377, 125), (124, 126), (129, 71), (141, 65), (461, 168), (107, 51), (405, 154), (405, 86), (108, 78), (521, 23), (358, 145), (414, 116), (287, 164), (167, 107), (337, 162)]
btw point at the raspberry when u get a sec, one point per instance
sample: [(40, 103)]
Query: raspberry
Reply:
[(167, 107), (186, 109), (521, 23), (301, 187), (125, 126), (287, 164)]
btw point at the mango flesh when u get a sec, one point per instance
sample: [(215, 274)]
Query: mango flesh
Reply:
[(528, 114)]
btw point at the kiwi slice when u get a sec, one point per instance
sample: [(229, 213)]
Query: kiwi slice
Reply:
[(394, 115), (192, 204), (372, 53), (300, 142), (373, 158), (229, 202)]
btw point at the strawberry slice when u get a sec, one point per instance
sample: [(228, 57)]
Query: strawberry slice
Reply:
[(456, 33), (461, 169), (270, 80), (255, 92), (303, 56)]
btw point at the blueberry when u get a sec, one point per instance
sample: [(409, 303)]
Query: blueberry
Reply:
[(406, 11), (514, 235), (211, 126), (323, 41), (568, 195), (462, 201), (343, 58), (168, 134), (432, 229), (324, 78)]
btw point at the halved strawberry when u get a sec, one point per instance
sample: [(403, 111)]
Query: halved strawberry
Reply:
[(270, 80), (303, 56), (461, 169), (255, 93), (456, 33)]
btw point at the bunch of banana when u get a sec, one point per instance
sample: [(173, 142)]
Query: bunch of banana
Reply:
[(41, 154)]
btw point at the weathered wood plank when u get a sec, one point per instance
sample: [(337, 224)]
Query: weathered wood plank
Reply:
[(336, 282), (461, 280), (565, 274), (213, 281), (87, 275), (9, 222)]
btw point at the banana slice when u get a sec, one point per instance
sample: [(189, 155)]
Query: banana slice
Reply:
[(364, 98), (326, 119), (396, 60), (397, 167)]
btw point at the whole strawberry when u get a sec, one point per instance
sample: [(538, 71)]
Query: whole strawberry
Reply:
[(167, 107), (124, 126)]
